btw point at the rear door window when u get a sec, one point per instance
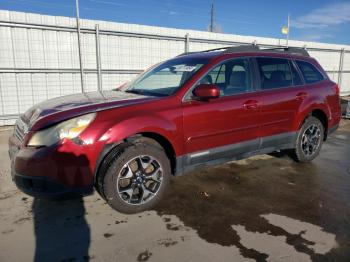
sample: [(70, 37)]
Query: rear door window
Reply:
[(310, 73), (274, 72)]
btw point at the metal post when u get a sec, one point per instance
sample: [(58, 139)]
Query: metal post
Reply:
[(14, 65), (79, 47), (30, 65), (187, 43), (341, 62), (45, 64), (98, 58), (2, 101), (347, 114)]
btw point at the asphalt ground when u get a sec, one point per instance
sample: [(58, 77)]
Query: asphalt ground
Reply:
[(262, 208)]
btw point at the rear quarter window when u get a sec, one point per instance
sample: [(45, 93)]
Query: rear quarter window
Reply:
[(310, 73)]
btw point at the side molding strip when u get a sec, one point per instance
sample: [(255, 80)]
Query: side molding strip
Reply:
[(199, 154)]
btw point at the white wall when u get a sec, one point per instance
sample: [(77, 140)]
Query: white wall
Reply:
[(38, 48)]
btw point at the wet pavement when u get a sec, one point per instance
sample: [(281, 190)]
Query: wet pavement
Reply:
[(262, 208)]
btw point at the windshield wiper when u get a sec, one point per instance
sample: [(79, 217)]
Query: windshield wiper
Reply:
[(144, 92), (134, 91)]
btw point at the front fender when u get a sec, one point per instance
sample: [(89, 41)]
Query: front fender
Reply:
[(144, 124), (115, 135)]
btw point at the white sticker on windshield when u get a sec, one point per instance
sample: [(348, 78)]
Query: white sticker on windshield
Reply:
[(184, 68)]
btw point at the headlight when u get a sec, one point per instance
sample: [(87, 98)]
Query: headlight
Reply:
[(68, 129)]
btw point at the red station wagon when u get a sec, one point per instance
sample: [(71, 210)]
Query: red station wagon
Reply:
[(197, 109)]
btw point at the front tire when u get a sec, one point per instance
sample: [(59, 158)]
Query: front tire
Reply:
[(137, 177), (309, 140)]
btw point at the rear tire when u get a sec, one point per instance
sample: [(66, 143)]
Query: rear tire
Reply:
[(137, 177), (309, 140)]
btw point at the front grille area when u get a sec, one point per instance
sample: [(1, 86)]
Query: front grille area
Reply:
[(19, 134), (19, 131)]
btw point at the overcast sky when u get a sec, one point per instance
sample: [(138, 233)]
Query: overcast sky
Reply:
[(311, 20)]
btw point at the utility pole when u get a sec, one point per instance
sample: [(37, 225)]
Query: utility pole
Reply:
[(211, 27), (79, 47), (288, 26)]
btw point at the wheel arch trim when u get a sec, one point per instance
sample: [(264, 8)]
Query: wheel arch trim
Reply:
[(318, 111), (110, 149)]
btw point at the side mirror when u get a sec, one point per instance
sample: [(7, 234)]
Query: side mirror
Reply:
[(206, 91)]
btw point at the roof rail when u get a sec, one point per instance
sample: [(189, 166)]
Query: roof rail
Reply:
[(204, 51), (254, 48), (291, 50), (242, 48)]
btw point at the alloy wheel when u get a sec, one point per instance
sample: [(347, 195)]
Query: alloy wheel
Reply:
[(311, 140), (139, 180)]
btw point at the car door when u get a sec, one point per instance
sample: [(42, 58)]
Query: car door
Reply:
[(226, 126), (281, 93)]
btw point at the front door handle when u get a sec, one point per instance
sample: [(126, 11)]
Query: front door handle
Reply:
[(250, 104), (301, 95)]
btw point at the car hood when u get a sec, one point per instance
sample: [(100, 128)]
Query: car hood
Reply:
[(62, 108)]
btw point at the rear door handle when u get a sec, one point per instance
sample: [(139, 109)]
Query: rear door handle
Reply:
[(250, 104), (301, 95)]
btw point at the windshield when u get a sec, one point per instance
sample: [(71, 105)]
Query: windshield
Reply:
[(166, 78)]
